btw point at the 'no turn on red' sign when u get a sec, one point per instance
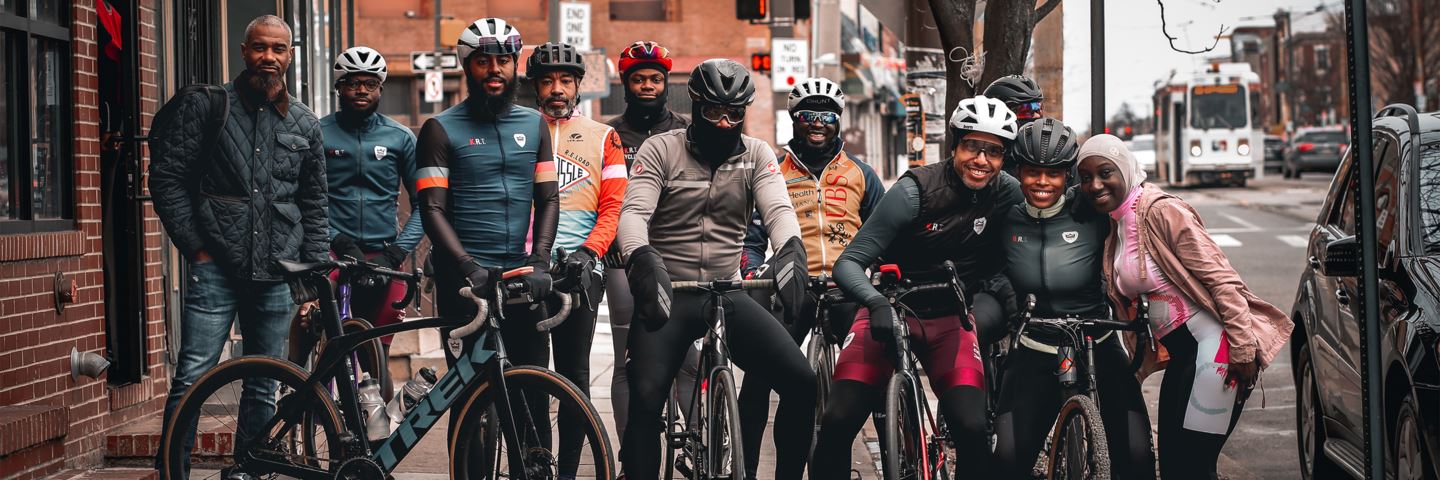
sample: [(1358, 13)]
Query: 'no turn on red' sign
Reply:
[(789, 63)]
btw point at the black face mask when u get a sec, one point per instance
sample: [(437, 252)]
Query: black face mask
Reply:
[(714, 144), (643, 112)]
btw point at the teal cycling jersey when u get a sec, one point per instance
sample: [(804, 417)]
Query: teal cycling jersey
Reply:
[(366, 165)]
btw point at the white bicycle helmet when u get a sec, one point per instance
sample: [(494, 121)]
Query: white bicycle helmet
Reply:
[(816, 87), (490, 36), (360, 60), (984, 114)]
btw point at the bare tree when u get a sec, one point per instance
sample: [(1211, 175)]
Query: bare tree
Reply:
[(1165, 29), (1008, 28)]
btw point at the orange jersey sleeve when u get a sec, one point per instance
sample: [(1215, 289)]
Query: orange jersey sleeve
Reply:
[(612, 195)]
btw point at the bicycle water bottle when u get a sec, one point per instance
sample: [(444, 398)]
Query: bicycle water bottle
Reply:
[(410, 394), (1066, 368), (372, 406)]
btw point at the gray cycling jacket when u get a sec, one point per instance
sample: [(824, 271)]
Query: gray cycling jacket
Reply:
[(696, 216)]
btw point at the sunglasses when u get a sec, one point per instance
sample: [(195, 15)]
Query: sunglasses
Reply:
[(493, 46), (714, 113), (976, 147), (1028, 110), (810, 116), (646, 51), (353, 84)]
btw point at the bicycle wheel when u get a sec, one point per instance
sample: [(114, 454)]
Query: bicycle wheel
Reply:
[(724, 450), (482, 452), (822, 359), (672, 444), (1077, 445), (903, 434), (210, 409)]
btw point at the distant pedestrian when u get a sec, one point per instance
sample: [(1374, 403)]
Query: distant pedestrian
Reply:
[(234, 206)]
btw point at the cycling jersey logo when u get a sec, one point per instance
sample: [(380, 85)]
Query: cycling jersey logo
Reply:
[(520, 139), (979, 225), (569, 173), (380, 152), (773, 168), (934, 227), (1070, 237), (848, 339), (1017, 239), (477, 141), (577, 137), (457, 347)]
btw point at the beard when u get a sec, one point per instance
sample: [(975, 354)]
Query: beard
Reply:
[(495, 103), (265, 82), (558, 112)]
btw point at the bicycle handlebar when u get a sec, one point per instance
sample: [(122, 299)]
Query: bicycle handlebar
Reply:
[(721, 286), (567, 300)]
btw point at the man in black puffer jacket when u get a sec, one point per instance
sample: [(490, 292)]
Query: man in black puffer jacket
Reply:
[(237, 204)]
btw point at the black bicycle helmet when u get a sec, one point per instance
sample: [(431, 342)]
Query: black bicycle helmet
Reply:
[(721, 81), (552, 57), (1046, 143), (1013, 89)]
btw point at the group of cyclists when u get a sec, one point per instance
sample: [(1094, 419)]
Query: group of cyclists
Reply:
[(656, 196)]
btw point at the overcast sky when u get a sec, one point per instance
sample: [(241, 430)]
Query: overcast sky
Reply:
[(1137, 54)]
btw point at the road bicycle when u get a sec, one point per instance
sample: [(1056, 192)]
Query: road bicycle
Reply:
[(1077, 447), (821, 349), (915, 443), (708, 446), (505, 413), (307, 339)]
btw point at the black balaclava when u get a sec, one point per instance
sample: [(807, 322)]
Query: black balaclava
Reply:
[(642, 113), (714, 144), (815, 159)]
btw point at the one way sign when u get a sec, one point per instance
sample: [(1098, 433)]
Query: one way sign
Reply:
[(426, 61)]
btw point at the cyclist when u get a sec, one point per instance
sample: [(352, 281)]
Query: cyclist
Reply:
[(369, 157), (644, 69), (484, 165), (1054, 244), (943, 211), (1024, 97), (689, 200), (590, 171), (832, 194)]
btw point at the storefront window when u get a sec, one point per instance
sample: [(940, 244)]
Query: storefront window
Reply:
[(35, 117)]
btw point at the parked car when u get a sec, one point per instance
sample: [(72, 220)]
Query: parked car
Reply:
[(1326, 346), (1274, 153), (1315, 150), (1143, 147)]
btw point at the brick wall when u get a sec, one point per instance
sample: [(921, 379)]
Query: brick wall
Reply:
[(35, 341)]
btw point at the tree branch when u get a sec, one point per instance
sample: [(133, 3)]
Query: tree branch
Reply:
[(1045, 9), (1164, 29)]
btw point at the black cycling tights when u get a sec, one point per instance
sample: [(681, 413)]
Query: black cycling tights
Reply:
[(1186, 453), (851, 402), (1030, 398), (757, 343), (572, 340)]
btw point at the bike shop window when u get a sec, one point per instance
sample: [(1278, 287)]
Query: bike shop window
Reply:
[(35, 137), (1430, 197), (1217, 106)]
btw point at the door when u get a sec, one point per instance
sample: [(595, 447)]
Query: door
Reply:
[(1333, 320), (122, 209)]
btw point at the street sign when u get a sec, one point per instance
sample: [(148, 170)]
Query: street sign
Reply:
[(575, 24), (789, 63), (434, 87), (596, 83), (426, 61)]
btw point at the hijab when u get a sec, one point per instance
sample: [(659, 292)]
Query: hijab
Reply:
[(1112, 148)]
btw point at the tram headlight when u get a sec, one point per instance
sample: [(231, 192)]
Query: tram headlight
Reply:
[(1243, 149), (1195, 150)]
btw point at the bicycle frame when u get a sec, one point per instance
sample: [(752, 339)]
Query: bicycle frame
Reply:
[(487, 361)]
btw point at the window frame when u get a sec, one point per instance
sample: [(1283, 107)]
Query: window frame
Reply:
[(19, 31)]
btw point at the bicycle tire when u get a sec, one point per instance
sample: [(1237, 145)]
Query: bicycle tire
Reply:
[(903, 434), (723, 443), (822, 360), (477, 421), (200, 403), (672, 424), (1078, 448)]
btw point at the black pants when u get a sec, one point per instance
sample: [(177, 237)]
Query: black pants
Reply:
[(755, 396), (962, 406), (572, 341), (1185, 453), (1030, 398), (758, 345)]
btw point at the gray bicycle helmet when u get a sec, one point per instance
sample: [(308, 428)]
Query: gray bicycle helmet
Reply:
[(1046, 143), (721, 81), (1013, 89), (552, 57)]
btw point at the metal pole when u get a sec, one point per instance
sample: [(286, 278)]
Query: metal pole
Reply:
[(1360, 122), (438, 106), (1097, 67)]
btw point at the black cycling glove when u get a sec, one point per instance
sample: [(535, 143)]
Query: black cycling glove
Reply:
[(392, 257), (345, 246), (882, 322), (578, 273), (650, 285), (478, 276), (538, 282), (788, 267)]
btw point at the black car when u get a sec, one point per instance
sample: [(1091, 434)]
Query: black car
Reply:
[(1314, 151), (1274, 153), (1326, 346)]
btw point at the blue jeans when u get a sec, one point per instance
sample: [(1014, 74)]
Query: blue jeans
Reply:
[(212, 302)]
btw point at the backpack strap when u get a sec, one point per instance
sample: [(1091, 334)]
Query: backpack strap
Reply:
[(219, 112)]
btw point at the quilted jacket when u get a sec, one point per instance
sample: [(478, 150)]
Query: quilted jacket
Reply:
[(258, 195)]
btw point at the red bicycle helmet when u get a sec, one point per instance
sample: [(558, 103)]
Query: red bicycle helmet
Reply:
[(644, 53)]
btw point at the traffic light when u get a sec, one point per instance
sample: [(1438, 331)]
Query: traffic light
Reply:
[(760, 62), (802, 9), (752, 9)]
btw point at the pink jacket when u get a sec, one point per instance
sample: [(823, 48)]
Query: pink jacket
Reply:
[(1175, 237)]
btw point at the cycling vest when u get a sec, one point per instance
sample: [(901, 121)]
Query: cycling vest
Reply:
[(491, 179), (365, 168), (954, 223), (581, 146), (827, 204)]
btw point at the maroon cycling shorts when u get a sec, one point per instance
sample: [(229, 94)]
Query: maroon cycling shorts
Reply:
[(949, 354)]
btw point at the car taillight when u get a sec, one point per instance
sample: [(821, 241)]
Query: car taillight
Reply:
[(1305, 147), (1343, 147)]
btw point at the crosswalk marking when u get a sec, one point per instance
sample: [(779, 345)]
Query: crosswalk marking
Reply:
[(1225, 240), (1293, 240)]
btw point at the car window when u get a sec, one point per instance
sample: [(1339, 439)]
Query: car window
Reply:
[(1342, 211), (1387, 188), (1142, 145), (1430, 197), (1324, 137)]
